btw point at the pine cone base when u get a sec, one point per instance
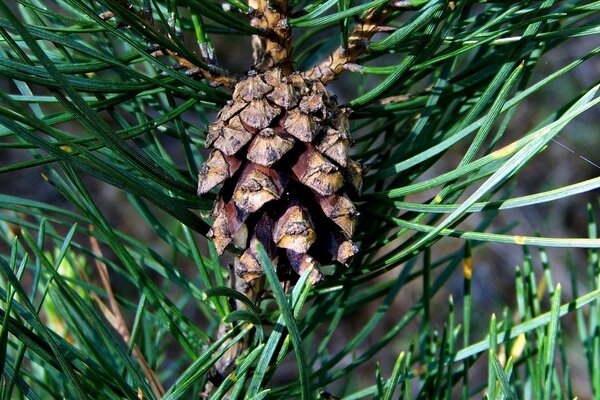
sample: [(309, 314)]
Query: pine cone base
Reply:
[(280, 151)]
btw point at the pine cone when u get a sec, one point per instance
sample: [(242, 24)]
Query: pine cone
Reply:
[(280, 148)]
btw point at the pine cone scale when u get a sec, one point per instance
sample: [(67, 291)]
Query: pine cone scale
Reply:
[(290, 140)]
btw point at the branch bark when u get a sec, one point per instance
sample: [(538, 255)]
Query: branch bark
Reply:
[(342, 58), (274, 47)]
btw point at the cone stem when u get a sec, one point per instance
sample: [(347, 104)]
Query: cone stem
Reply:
[(273, 48)]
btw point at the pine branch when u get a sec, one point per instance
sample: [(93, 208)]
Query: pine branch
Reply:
[(342, 58), (211, 71), (274, 47)]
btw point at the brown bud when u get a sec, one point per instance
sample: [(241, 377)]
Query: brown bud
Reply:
[(315, 171), (259, 114), (251, 89), (341, 211), (301, 125), (300, 262), (231, 137), (268, 147), (335, 145), (354, 175), (294, 230), (257, 186), (106, 15), (217, 168), (284, 96)]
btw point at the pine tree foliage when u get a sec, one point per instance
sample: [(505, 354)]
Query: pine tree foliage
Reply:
[(388, 126)]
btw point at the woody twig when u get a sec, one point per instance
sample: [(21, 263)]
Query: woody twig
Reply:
[(273, 48), (343, 57), (212, 72)]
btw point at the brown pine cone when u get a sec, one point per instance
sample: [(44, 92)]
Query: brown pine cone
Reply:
[(280, 148)]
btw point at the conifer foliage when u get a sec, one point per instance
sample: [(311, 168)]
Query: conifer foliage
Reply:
[(259, 231)]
